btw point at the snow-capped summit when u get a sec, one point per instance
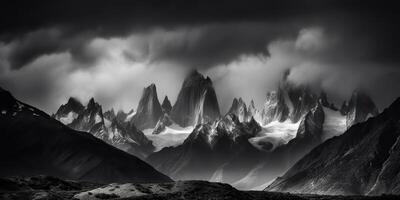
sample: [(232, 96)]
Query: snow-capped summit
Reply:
[(149, 109), (196, 98)]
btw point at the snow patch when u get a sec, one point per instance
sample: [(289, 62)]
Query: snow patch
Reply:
[(277, 133), (69, 118), (129, 117), (4, 112), (173, 135), (107, 123), (97, 119)]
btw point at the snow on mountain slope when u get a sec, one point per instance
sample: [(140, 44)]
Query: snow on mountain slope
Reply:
[(173, 135), (71, 116), (274, 134)]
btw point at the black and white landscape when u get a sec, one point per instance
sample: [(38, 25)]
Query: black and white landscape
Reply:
[(199, 100)]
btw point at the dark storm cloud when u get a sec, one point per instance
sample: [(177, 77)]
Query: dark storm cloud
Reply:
[(251, 41), (215, 44), (80, 21)]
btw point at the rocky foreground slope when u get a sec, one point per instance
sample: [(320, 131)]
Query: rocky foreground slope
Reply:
[(45, 187)]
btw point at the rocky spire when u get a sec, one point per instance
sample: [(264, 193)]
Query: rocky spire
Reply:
[(239, 109), (149, 109), (166, 105), (197, 96)]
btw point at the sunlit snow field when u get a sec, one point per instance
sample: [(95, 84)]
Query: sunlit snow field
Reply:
[(172, 136)]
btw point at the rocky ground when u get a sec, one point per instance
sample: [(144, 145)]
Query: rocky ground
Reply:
[(46, 188)]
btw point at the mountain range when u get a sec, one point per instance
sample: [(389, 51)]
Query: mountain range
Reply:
[(247, 147)]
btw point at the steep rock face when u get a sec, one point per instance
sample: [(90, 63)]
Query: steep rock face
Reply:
[(360, 108), (275, 107), (33, 143), (239, 109), (109, 115), (149, 109), (196, 101), (90, 120), (218, 151), (127, 137), (166, 105), (311, 124), (364, 160), (302, 99)]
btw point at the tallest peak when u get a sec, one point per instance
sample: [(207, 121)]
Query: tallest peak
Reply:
[(195, 78)]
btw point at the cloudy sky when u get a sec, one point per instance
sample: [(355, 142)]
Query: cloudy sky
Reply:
[(111, 50)]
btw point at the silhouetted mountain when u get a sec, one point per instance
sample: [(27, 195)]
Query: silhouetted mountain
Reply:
[(34, 143), (196, 102), (149, 109), (364, 160)]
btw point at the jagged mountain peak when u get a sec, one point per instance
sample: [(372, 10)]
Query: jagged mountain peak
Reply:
[(166, 105), (73, 104), (92, 104), (196, 78), (196, 102), (251, 104), (75, 101), (149, 109), (110, 115), (239, 109)]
